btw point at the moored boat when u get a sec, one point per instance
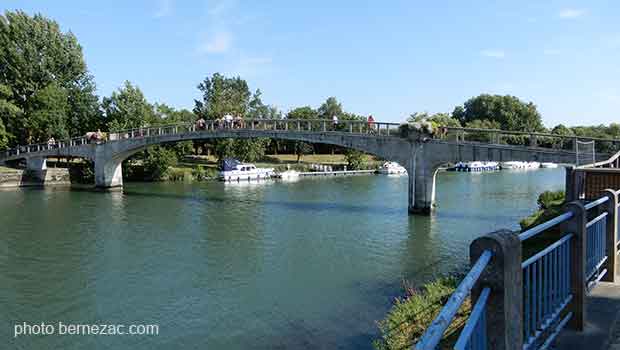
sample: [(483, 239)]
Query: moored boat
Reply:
[(391, 168), (233, 170), (548, 165)]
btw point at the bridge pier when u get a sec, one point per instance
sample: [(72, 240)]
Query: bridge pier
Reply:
[(422, 188), (37, 166), (108, 173)]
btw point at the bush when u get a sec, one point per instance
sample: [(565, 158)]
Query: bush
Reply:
[(199, 173), (356, 160), (157, 162), (549, 199), (410, 316)]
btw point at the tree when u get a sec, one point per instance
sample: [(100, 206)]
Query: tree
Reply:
[(221, 96), (127, 108), (510, 112), (305, 112), (47, 111), (39, 66), (158, 161), (355, 159), (437, 119), (258, 110), (331, 107)]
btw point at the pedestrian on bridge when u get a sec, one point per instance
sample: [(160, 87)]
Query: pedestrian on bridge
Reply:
[(335, 121), (371, 123)]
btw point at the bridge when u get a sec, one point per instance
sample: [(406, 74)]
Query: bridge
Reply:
[(420, 152)]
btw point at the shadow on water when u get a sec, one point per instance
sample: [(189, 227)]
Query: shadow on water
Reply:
[(302, 206)]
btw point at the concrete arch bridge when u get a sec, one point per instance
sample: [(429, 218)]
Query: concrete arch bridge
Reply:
[(421, 153)]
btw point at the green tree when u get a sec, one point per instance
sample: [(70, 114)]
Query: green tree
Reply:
[(47, 111), (221, 96), (510, 112), (331, 107), (305, 112), (158, 161), (437, 119), (258, 110), (127, 108), (356, 160), (40, 65)]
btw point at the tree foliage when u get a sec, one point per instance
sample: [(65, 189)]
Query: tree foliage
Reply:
[(44, 79), (510, 112), (437, 119), (127, 108), (222, 95)]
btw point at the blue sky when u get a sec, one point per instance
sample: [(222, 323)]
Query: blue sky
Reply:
[(386, 58)]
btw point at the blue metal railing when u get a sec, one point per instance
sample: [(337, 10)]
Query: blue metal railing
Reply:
[(546, 289), (596, 248), (431, 338), (474, 335)]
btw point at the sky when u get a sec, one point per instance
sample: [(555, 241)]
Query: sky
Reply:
[(385, 58)]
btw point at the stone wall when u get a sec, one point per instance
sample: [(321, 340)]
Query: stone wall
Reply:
[(22, 178)]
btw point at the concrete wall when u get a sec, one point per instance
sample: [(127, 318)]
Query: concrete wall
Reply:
[(24, 178)]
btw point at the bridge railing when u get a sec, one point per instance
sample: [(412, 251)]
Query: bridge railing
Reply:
[(524, 304), (531, 139), (298, 125)]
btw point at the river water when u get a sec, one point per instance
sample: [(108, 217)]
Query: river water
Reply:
[(304, 265)]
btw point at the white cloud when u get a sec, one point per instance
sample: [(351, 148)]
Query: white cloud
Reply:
[(551, 52), (493, 53), (570, 13), (164, 9), (220, 42)]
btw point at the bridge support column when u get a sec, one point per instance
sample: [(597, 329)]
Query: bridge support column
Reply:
[(37, 166), (422, 188), (108, 174)]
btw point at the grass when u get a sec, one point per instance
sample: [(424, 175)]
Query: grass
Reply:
[(411, 315)]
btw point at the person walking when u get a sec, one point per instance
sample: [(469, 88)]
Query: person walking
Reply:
[(335, 121), (371, 124)]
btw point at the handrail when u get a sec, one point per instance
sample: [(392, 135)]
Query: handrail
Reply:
[(534, 133), (596, 203), (476, 314), (249, 124), (435, 331), (545, 225), (612, 159), (544, 252)]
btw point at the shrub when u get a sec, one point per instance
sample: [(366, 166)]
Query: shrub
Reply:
[(199, 173)]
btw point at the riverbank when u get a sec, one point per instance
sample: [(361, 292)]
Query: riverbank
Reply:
[(190, 168)]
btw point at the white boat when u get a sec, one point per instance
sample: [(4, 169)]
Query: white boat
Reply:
[(533, 165), (513, 165), (233, 170), (548, 165), (287, 175), (476, 166), (390, 168)]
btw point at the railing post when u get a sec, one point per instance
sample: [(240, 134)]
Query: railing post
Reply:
[(611, 207), (324, 126), (351, 127), (577, 226), (504, 276)]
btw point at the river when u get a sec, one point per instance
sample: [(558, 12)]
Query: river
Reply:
[(304, 265)]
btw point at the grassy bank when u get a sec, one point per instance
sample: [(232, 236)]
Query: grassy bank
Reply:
[(413, 313)]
